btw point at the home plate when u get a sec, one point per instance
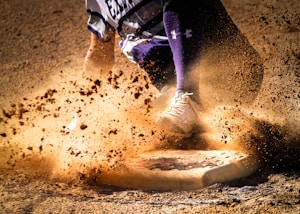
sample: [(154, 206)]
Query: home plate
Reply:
[(180, 169)]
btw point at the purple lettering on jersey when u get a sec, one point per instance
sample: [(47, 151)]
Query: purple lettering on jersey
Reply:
[(115, 11)]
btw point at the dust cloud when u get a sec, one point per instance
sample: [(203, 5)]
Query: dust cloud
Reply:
[(80, 126)]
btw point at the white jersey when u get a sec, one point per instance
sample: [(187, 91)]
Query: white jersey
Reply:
[(138, 17), (138, 22)]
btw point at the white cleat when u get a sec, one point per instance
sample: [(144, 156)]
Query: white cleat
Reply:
[(181, 118)]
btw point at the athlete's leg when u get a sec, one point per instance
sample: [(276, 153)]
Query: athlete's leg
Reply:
[(184, 35), (182, 29), (99, 57), (191, 26)]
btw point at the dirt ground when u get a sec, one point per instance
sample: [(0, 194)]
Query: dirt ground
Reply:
[(59, 131)]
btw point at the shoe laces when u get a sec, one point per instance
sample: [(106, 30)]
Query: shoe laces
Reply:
[(178, 104)]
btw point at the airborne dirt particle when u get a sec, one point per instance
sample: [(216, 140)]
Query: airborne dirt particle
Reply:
[(97, 82), (113, 131), (137, 95), (83, 126)]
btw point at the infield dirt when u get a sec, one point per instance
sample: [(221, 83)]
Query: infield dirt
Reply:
[(58, 129)]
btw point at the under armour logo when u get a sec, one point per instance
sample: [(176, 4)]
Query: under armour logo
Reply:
[(188, 33)]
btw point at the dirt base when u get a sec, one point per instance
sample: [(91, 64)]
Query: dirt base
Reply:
[(58, 130)]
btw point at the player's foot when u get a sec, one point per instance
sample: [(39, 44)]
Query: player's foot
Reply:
[(91, 67), (181, 117), (99, 58)]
